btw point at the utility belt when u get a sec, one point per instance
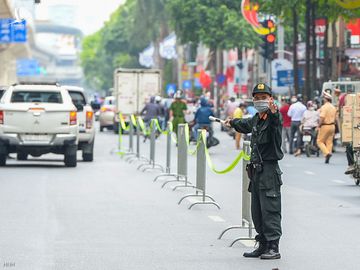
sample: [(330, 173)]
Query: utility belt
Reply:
[(253, 168), (330, 124)]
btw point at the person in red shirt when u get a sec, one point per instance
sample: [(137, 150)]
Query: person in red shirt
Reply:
[(285, 105)]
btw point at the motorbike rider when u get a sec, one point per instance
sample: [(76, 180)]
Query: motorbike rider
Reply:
[(309, 121), (202, 117), (150, 111), (162, 113), (296, 111)]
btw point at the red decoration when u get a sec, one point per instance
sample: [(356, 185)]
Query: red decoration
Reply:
[(205, 79), (230, 72)]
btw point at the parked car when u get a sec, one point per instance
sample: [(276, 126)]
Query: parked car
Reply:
[(107, 113), (86, 122), (36, 119)]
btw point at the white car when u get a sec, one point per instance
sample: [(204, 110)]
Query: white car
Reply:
[(107, 114), (36, 119), (86, 122)]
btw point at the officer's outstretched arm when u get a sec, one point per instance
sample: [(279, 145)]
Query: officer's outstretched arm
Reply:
[(242, 125)]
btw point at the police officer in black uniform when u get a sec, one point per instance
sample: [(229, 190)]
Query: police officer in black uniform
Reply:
[(264, 171)]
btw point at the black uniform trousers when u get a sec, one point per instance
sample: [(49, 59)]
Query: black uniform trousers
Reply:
[(266, 201)]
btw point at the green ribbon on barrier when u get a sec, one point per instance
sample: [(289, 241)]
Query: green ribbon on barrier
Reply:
[(242, 155), (133, 120), (123, 124)]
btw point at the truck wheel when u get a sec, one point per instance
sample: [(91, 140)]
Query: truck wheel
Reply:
[(22, 156), (88, 152), (3, 160), (70, 158), (101, 129)]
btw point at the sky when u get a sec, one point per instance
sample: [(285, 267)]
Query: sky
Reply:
[(92, 13)]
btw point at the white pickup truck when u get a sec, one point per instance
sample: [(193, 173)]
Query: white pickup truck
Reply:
[(85, 116), (36, 119)]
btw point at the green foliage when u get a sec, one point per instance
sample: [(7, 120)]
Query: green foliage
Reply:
[(216, 23)]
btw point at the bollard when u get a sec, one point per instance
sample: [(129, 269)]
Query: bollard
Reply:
[(137, 156), (246, 204), (182, 157), (130, 151), (151, 165), (168, 156), (200, 176)]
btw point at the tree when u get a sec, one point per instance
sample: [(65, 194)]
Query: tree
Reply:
[(287, 11)]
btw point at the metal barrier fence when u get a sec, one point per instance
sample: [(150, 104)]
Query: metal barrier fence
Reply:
[(246, 204), (200, 175), (151, 164), (182, 161), (137, 156)]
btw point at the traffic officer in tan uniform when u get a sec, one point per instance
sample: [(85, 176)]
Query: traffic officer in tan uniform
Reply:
[(326, 126), (264, 171)]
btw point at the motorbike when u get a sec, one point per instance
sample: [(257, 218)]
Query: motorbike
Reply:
[(356, 173), (309, 140)]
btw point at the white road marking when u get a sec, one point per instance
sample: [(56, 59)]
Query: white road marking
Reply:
[(309, 172), (248, 243), (338, 181), (216, 218)]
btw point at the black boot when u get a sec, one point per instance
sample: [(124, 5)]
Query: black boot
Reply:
[(260, 250), (272, 251)]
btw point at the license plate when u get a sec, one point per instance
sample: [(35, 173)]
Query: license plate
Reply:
[(36, 138), (306, 138)]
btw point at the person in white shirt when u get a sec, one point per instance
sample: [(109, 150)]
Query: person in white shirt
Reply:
[(296, 112), (309, 121)]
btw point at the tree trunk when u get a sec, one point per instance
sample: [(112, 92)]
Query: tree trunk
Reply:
[(314, 50), (308, 50), (333, 52), (295, 58), (326, 52)]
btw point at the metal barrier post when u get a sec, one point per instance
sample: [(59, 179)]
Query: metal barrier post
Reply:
[(246, 204), (151, 165), (182, 159), (137, 156), (130, 152), (200, 176), (168, 156)]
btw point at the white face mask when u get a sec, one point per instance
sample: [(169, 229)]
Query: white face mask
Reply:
[(311, 109), (261, 105)]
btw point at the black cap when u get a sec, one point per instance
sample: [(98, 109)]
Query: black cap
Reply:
[(262, 88)]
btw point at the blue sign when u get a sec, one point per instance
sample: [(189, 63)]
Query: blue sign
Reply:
[(286, 78), (170, 89), (220, 79), (12, 31), (186, 85), (27, 67)]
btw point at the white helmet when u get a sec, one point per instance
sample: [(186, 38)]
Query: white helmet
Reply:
[(178, 94), (326, 94), (157, 98)]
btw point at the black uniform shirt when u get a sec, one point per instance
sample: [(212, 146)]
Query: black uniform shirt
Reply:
[(265, 136)]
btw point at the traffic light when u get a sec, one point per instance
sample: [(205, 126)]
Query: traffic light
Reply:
[(267, 47)]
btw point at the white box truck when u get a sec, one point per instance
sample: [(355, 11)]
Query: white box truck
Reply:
[(132, 88)]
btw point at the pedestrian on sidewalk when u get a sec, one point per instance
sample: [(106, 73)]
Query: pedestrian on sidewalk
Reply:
[(264, 171), (285, 135), (326, 126), (296, 112)]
